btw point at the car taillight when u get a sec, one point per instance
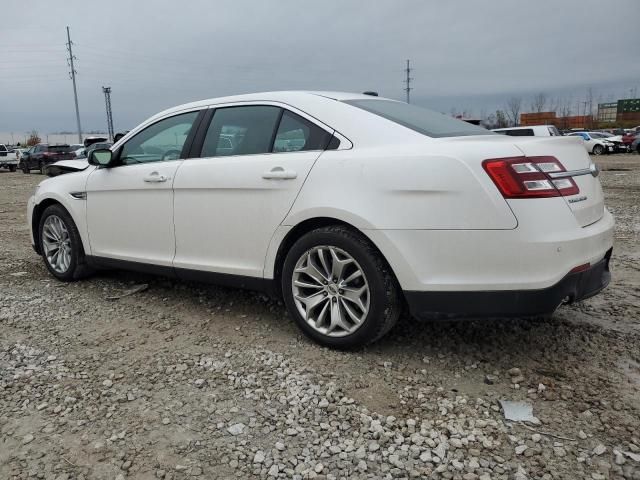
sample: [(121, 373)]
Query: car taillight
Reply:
[(526, 177)]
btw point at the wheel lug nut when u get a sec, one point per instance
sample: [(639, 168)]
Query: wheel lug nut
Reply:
[(340, 292)]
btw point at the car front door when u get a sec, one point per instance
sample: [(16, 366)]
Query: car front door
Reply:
[(230, 200), (130, 205)]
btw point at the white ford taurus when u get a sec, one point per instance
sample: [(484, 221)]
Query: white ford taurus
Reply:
[(349, 206)]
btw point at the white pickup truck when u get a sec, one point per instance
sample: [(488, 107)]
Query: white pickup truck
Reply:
[(8, 158)]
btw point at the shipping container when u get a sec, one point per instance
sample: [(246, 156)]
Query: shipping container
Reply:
[(538, 118)]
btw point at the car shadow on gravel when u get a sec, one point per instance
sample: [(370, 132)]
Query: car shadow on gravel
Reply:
[(501, 342)]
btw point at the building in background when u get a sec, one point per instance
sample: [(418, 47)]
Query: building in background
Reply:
[(628, 114), (607, 112)]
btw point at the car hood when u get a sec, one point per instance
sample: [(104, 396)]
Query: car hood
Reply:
[(66, 166)]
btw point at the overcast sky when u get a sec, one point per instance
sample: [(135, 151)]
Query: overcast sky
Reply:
[(156, 54)]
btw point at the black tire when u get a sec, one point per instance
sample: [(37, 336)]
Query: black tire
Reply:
[(78, 267), (41, 167), (598, 150), (25, 169), (384, 303), (12, 168)]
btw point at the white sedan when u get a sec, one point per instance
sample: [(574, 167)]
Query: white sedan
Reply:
[(349, 206), (595, 142)]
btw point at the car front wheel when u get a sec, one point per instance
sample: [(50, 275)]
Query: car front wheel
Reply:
[(598, 150), (339, 289), (61, 245)]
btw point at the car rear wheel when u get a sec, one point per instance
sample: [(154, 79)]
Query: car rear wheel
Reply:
[(61, 246), (12, 168), (598, 150), (339, 289)]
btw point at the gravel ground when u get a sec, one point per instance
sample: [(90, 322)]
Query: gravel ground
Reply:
[(187, 380)]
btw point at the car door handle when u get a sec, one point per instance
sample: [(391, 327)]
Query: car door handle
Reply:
[(279, 173), (155, 178)]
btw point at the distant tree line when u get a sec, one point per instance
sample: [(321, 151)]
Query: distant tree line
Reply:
[(509, 114)]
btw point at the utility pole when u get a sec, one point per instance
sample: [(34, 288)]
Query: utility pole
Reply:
[(73, 78), (107, 101), (407, 81)]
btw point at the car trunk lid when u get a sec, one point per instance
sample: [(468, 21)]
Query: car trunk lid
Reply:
[(588, 204)]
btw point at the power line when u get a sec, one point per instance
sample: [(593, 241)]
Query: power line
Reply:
[(107, 101), (73, 78), (407, 81)]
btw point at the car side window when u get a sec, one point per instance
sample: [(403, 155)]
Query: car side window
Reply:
[(296, 134), (162, 141), (245, 130)]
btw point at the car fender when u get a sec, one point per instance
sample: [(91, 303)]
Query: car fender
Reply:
[(70, 192)]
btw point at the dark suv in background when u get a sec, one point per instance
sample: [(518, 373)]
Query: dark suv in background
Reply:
[(42, 155)]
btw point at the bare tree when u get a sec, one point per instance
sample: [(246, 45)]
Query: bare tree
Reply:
[(554, 104), (564, 111), (538, 102), (34, 138), (513, 108), (501, 119), (489, 121), (589, 108)]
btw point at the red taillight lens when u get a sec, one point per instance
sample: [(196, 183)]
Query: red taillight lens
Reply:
[(527, 177)]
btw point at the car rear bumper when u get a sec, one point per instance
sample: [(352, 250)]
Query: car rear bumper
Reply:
[(508, 303)]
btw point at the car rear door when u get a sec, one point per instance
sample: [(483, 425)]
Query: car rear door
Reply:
[(229, 201), (130, 205)]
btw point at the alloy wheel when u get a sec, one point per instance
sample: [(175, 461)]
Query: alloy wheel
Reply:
[(57, 244), (330, 291)]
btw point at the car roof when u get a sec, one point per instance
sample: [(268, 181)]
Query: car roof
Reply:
[(274, 96)]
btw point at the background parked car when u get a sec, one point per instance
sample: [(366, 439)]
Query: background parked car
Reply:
[(8, 158), (531, 131), (628, 138), (91, 140), (595, 142), (42, 155), (635, 146), (618, 144), (84, 151)]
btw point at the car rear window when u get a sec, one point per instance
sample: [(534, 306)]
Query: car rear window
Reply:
[(421, 120), (520, 132), (59, 148)]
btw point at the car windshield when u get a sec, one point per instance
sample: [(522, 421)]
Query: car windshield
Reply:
[(421, 120)]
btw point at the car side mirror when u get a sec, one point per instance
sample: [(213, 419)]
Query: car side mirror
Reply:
[(101, 157)]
